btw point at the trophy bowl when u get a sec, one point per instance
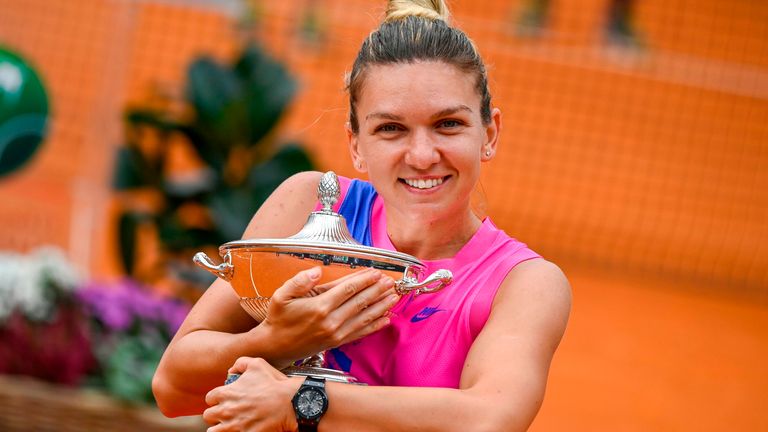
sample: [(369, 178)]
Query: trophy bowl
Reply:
[(255, 268)]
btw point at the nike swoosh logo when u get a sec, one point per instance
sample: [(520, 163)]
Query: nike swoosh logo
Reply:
[(426, 313)]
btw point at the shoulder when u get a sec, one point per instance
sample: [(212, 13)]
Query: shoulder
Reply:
[(534, 297), (538, 272), (304, 184), (536, 279)]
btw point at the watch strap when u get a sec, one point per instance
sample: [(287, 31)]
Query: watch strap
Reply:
[(307, 427)]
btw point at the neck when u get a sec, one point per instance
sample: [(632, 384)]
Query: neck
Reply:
[(431, 239)]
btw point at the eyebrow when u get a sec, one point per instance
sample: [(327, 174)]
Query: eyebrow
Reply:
[(383, 115), (452, 110), (442, 113)]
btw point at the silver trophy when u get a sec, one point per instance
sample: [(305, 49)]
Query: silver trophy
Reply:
[(257, 267)]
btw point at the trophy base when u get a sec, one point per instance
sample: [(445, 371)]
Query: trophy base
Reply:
[(330, 375)]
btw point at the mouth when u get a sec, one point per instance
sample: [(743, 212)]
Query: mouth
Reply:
[(424, 183)]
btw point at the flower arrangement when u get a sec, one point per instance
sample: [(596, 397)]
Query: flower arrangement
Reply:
[(59, 329), (131, 328)]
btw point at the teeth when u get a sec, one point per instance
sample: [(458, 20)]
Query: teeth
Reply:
[(424, 184)]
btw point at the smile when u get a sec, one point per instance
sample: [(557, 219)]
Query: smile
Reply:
[(424, 183)]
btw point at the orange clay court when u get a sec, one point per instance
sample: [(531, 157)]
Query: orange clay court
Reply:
[(642, 173)]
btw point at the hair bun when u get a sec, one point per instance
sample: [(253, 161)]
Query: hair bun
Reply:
[(429, 9)]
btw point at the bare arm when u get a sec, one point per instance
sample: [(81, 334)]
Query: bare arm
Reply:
[(217, 331), (502, 384)]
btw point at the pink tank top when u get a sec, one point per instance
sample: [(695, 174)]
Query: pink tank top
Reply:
[(429, 336)]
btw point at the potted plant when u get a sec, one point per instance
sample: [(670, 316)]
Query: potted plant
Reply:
[(226, 121)]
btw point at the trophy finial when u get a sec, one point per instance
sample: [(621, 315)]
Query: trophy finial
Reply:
[(328, 191)]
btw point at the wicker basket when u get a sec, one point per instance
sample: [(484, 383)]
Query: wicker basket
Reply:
[(31, 405)]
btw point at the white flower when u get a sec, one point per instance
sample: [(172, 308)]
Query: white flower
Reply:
[(26, 282)]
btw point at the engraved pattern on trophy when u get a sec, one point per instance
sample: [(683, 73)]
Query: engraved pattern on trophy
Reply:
[(257, 306), (257, 267)]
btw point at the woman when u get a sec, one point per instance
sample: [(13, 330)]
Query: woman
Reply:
[(474, 356)]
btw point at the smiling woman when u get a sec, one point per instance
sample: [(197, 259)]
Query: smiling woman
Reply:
[(474, 356)]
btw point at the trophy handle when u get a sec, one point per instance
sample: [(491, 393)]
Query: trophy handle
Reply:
[(442, 277), (223, 270)]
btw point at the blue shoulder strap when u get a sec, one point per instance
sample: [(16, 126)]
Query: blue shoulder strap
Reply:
[(356, 209)]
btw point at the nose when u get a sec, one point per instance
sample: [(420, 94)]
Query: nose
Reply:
[(422, 150)]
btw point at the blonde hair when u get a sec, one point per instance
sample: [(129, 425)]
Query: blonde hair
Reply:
[(429, 9)]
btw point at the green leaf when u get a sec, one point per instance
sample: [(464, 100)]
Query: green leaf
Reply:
[(266, 177), (205, 147), (128, 225), (177, 237), (211, 87), (216, 94), (132, 170), (131, 366), (146, 117), (269, 89), (232, 209)]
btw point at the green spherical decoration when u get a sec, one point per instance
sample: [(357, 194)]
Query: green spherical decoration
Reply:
[(23, 111)]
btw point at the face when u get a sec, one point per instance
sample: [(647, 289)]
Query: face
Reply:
[(421, 137)]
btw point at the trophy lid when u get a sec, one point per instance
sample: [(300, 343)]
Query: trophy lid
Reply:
[(325, 237)]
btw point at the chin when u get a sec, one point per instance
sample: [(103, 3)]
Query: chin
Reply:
[(430, 212)]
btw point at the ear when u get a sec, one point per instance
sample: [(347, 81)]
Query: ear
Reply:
[(357, 160), (492, 131)]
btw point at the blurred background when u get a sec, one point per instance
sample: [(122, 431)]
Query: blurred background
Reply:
[(634, 154)]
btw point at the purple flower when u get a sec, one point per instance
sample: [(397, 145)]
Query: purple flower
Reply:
[(105, 305), (173, 312), (119, 307)]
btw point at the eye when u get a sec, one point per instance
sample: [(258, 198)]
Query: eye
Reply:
[(450, 125), (388, 128)]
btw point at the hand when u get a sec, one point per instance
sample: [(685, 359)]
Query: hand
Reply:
[(305, 318), (260, 400)]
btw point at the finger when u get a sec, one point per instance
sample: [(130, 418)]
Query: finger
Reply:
[(299, 285), (355, 324), (342, 292), (386, 294), (212, 397), (210, 416), (319, 289), (373, 327), (240, 366), (217, 427), (363, 299)]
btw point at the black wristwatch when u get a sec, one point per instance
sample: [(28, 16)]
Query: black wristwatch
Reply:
[(310, 403)]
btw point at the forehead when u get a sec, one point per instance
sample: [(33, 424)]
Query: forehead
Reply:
[(418, 86)]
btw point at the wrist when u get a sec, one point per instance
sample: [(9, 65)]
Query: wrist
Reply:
[(263, 344), (293, 383)]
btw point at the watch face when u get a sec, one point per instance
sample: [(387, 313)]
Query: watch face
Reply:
[(310, 403)]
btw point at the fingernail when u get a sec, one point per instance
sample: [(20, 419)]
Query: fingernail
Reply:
[(393, 298), (314, 273)]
